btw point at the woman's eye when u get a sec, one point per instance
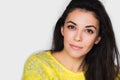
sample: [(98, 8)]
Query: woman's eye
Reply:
[(71, 27), (89, 31)]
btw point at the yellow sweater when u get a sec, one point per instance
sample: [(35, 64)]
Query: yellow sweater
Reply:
[(43, 66)]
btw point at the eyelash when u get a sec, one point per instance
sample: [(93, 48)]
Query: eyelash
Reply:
[(71, 27), (89, 31)]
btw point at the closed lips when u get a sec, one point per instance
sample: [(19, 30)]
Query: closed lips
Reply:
[(75, 47)]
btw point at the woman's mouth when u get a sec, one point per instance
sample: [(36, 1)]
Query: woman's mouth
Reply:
[(75, 47)]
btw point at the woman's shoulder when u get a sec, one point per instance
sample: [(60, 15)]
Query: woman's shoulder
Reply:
[(38, 59), (35, 65), (40, 56)]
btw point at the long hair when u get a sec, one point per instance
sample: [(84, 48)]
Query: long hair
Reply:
[(101, 58)]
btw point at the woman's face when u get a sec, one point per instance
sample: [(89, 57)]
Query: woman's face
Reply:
[(80, 33)]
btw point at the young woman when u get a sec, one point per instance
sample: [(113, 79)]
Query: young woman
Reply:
[(84, 47)]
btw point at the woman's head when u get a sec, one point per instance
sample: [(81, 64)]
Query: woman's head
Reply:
[(93, 6), (80, 32)]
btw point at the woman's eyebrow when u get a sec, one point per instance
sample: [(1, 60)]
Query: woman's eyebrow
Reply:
[(72, 22), (88, 26)]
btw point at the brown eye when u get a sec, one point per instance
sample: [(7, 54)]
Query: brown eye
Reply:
[(71, 27), (89, 31)]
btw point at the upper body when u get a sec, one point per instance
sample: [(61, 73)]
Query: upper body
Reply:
[(44, 66), (84, 46)]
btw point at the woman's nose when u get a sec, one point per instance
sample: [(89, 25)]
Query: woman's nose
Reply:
[(78, 36)]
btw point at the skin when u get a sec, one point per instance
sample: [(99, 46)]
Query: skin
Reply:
[(80, 33)]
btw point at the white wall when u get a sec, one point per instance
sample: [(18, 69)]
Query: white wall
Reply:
[(26, 27)]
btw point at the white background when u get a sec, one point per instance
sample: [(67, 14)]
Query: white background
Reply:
[(26, 26)]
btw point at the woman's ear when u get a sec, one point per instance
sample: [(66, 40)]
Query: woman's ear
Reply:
[(62, 31), (98, 39)]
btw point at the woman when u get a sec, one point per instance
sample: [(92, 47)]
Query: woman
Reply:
[(84, 47)]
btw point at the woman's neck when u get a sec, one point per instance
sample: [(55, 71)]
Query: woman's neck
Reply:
[(73, 64)]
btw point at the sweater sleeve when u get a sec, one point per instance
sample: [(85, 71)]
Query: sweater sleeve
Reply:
[(33, 70)]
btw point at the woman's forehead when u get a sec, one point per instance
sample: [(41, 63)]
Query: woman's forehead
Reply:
[(82, 17)]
